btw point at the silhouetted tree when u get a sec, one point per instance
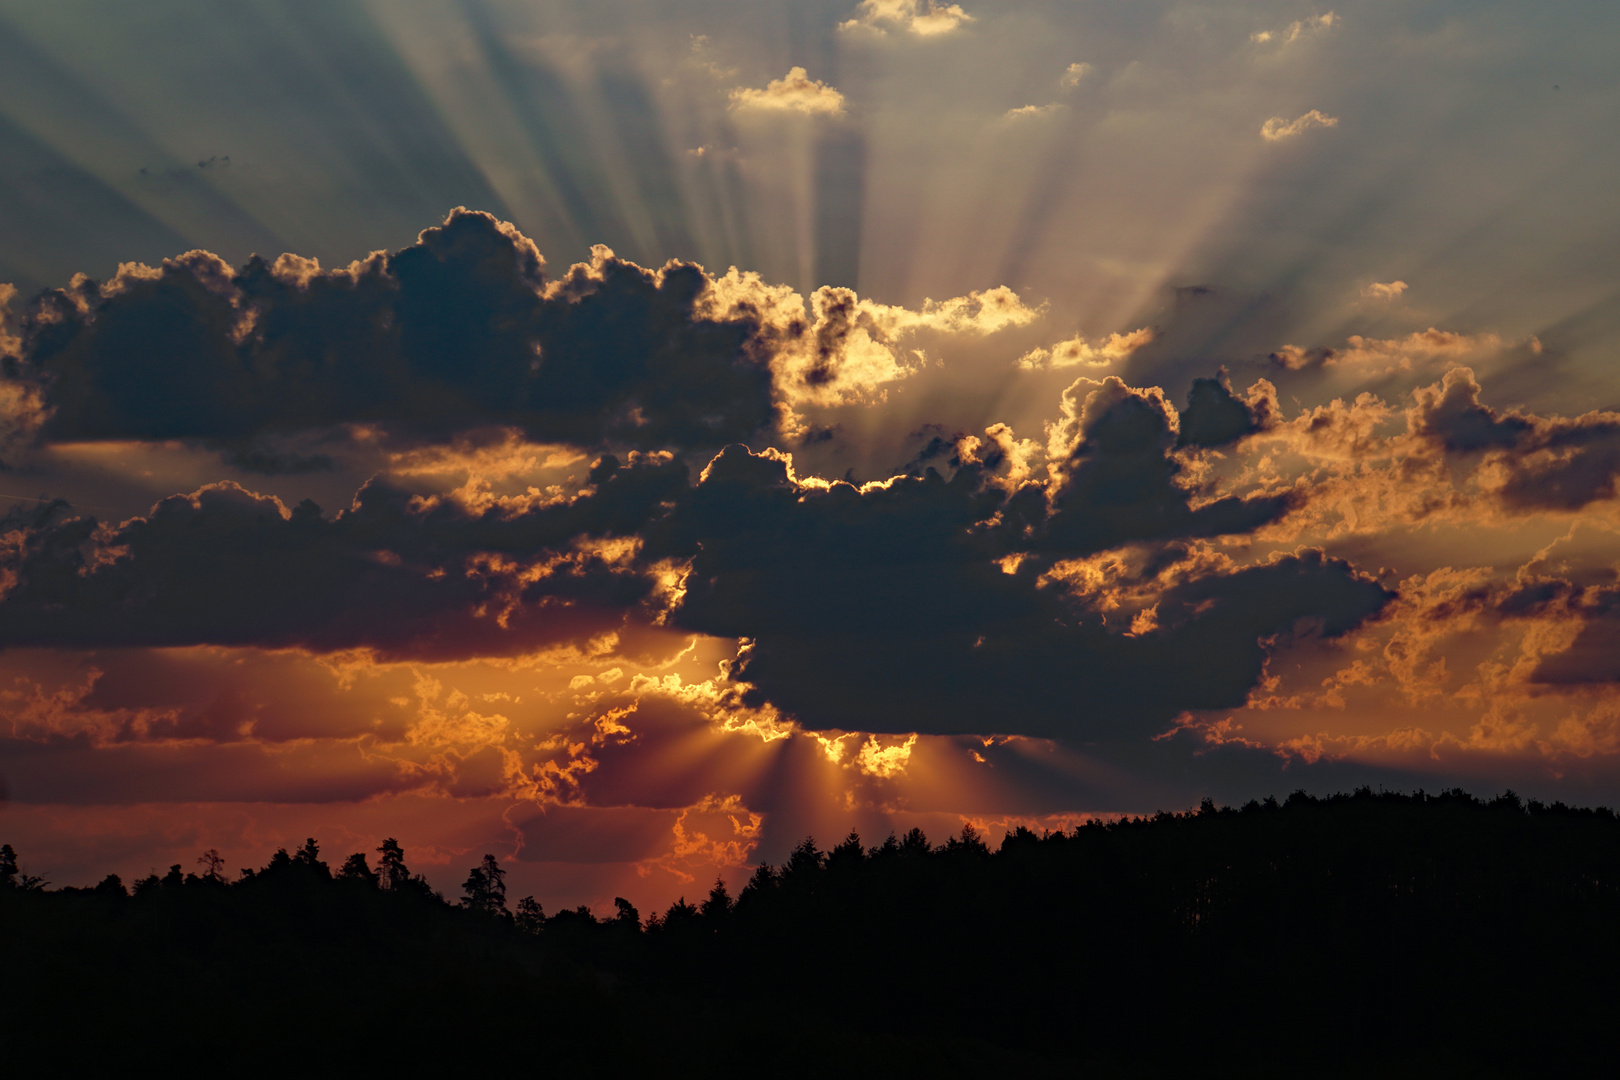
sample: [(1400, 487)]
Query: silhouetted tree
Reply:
[(485, 888), (967, 843), (848, 854), (531, 919), (719, 904), (8, 867), (680, 915), (392, 873), (627, 915), (215, 864), (355, 869), (309, 856)]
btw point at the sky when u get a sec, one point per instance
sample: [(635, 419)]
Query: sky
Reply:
[(627, 438)]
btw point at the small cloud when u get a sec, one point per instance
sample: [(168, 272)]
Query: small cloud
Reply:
[(794, 92), (1277, 128), (1296, 358), (925, 19), (1295, 30), (1077, 351), (708, 152), (1032, 112), (1379, 290), (1073, 74), (699, 59)]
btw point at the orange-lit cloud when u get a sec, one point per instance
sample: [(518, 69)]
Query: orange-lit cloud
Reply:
[(924, 18), (1076, 351), (794, 92), (1279, 128)]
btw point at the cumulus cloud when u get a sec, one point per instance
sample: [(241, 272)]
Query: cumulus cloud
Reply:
[(895, 589), (916, 588), (838, 348), (1532, 463), (1384, 290), (1280, 127), (1073, 74), (395, 574), (924, 18), (461, 330), (1077, 352), (1295, 30), (1214, 416), (1114, 480), (794, 92)]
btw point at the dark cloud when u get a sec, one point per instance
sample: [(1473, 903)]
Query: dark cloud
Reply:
[(1215, 417), (224, 566), (888, 608), (1593, 657), (1120, 483), (882, 610), (459, 330), (1554, 463), (1451, 415)]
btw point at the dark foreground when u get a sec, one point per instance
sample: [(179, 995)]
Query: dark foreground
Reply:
[(1370, 934)]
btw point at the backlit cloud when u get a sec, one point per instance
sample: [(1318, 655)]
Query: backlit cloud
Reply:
[(1295, 30), (924, 18), (1076, 351), (1033, 112), (1073, 74), (1279, 128), (794, 92)]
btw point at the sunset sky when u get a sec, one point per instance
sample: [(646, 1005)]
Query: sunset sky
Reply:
[(626, 437)]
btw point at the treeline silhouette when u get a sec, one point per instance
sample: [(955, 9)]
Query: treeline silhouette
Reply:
[(1423, 935)]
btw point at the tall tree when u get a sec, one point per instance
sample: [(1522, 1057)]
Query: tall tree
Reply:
[(392, 873), (485, 888)]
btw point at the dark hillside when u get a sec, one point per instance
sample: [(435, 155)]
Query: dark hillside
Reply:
[(1402, 935)]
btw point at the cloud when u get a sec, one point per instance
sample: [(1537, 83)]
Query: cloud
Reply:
[(1033, 112), (1379, 290), (1076, 351), (1279, 128), (1388, 356), (862, 613), (400, 575), (933, 592), (462, 329), (794, 92), (924, 18), (1295, 30), (841, 349), (1073, 74), (1532, 463), (1114, 479), (1214, 416)]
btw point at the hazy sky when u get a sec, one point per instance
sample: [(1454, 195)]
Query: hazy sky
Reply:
[(821, 416)]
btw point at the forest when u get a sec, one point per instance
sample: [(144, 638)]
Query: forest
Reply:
[(1403, 934)]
